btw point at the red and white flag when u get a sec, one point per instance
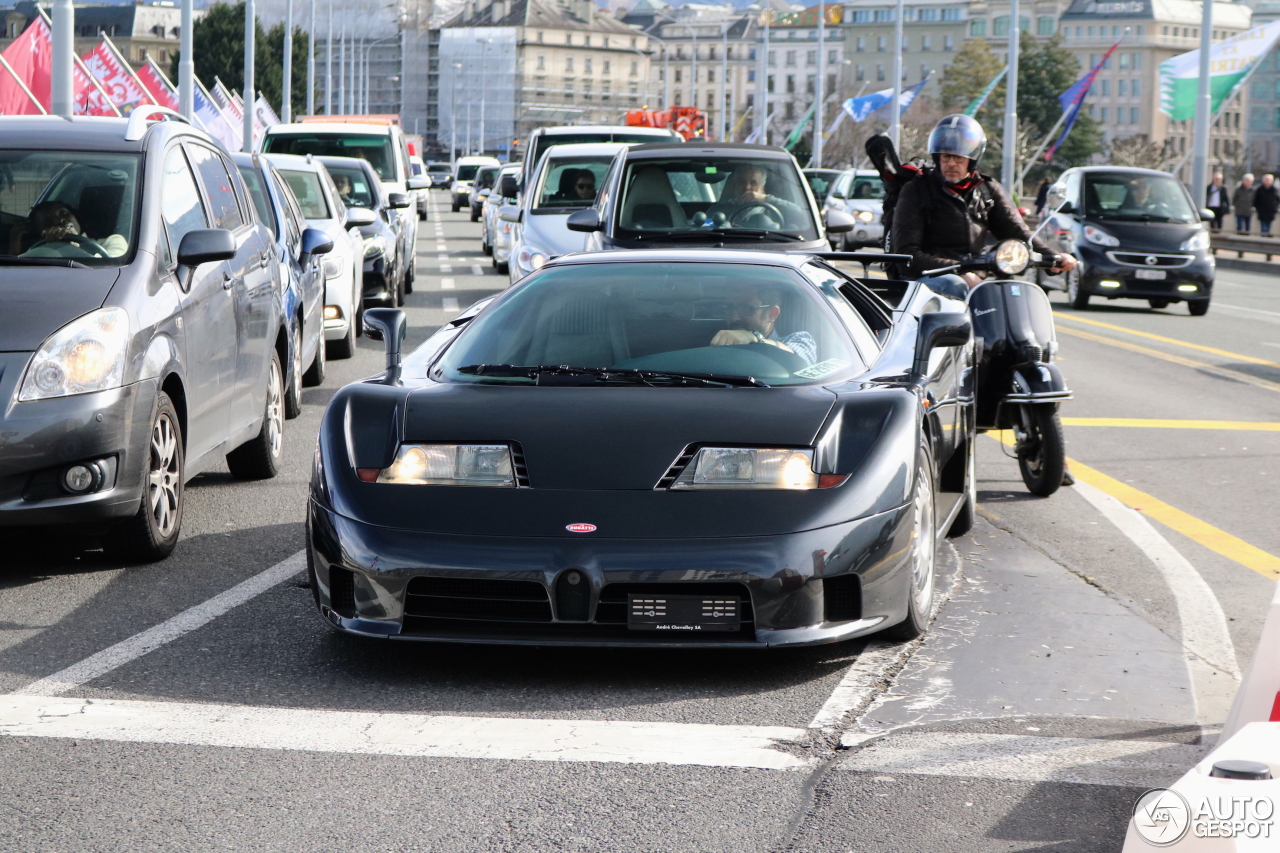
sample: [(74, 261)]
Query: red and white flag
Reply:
[(29, 74), (158, 86), (90, 99), (115, 79)]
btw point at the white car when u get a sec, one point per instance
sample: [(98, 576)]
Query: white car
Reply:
[(495, 233), (568, 179), (859, 193), (464, 172), (344, 266)]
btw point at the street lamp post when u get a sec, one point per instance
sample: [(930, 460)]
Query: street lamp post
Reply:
[(250, 99), (895, 128), (367, 61), (311, 60), (453, 114), (724, 74), (328, 66), (187, 64), (762, 114), (286, 85), (1009, 166), (484, 67), (819, 90), (62, 95)]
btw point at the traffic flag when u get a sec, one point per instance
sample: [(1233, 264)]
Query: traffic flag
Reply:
[(90, 99), (1073, 99), (115, 78), (158, 85), (266, 116), (208, 114), (859, 108), (25, 90), (1231, 61), (976, 103)]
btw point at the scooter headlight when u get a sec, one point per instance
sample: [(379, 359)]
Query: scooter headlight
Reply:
[(1012, 257)]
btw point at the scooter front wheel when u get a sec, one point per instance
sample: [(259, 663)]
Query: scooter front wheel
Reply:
[(1041, 449)]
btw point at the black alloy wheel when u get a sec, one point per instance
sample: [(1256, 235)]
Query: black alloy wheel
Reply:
[(1076, 293), (152, 533), (259, 458), (1041, 449), (293, 393), (923, 553)]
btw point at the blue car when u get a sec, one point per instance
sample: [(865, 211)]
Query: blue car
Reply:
[(297, 247)]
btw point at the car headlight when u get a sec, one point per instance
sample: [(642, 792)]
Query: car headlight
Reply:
[(531, 259), (1097, 235), (447, 465), (1012, 257), (749, 468), (332, 267), (376, 245), (865, 216), (83, 356), (1197, 242)]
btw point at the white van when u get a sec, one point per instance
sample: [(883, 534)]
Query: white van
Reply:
[(464, 172)]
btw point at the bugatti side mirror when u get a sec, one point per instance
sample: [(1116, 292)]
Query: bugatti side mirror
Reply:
[(939, 329), (837, 221), (387, 325)]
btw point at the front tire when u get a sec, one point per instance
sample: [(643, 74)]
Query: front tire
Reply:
[(923, 557), (1198, 308), (1078, 296), (963, 522), (1042, 451), (152, 533), (315, 373), (475, 215), (1157, 304), (293, 394), (345, 347), (259, 458)]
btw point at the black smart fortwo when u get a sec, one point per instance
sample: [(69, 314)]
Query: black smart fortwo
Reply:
[(669, 447)]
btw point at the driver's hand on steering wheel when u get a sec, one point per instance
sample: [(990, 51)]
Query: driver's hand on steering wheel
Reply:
[(733, 337)]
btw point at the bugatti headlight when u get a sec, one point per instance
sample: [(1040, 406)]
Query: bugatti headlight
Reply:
[(375, 245), (864, 216), (86, 355), (1096, 235), (449, 465), (1197, 242), (749, 468), (531, 259), (1012, 257)]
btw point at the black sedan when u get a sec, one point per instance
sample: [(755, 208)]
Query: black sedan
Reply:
[(669, 447)]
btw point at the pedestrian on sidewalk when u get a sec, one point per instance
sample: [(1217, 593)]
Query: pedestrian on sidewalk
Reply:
[(1217, 201), (1267, 201), (1242, 202)]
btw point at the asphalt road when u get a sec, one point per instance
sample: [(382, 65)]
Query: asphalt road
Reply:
[(1086, 649)]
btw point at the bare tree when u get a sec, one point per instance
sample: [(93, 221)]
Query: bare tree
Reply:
[(1139, 152)]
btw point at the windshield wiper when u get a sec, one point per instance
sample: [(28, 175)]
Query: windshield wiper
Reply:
[(20, 261), (607, 374), (702, 233)]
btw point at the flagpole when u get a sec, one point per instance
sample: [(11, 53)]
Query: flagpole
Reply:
[(1010, 159), (23, 86), (96, 85), (1204, 108), (895, 124), (311, 61), (187, 63), (62, 90), (819, 94), (250, 34), (286, 93)]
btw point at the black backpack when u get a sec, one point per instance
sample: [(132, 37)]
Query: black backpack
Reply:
[(894, 174)]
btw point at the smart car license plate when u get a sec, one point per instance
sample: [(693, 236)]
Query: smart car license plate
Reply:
[(683, 612), (1151, 275)]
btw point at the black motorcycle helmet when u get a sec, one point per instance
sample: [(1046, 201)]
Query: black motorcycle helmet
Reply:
[(958, 134)]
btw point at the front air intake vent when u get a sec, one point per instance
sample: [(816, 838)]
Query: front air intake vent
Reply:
[(517, 462), (842, 598), (573, 596), (342, 592), (482, 599), (677, 467)]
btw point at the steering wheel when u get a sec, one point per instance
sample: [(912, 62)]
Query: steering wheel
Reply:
[(88, 245), (786, 359), (750, 207)]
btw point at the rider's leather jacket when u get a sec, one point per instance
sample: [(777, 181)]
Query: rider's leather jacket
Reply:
[(939, 224)]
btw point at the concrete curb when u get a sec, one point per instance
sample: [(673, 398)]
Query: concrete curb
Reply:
[(1245, 265)]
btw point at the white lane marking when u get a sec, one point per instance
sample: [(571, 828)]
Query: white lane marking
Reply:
[(475, 270), (1028, 758), (441, 247), (171, 629), (1211, 662), (1217, 304), (446, 284), (446, 268), (400, 734), (450, 303)]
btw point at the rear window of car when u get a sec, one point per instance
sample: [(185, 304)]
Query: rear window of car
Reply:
[(377, 149), (310, 195), (439, 168)]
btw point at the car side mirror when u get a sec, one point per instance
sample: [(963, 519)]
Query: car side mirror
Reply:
[(1207, 215), (939, 329), (359, 217), (837, 221), (387, 325), (203, 246), (585, 220), (315, 242), (418, 183), (509, 213), (398, 201), (509, 187), (1068, 208)]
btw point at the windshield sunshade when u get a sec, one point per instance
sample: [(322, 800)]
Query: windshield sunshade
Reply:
[(714, 194), (710, 323)]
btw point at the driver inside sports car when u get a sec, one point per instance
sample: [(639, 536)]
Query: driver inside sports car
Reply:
[(747, 186), (753, 313), (59, 235)]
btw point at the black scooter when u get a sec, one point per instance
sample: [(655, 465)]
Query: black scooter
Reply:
[(1018, 385)]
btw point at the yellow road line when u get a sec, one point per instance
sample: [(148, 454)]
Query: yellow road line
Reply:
[(1224, 372), (1172, 423), (1219, 541), (1215, 351)]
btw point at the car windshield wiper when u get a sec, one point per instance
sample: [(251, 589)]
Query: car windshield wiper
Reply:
[(607, 374), (20, 261), (702, 233)]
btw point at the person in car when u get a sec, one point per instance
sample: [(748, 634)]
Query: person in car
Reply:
[(343, 183), (746, 185), (948, 213), (753, 314), (59, 228), (584, 186)]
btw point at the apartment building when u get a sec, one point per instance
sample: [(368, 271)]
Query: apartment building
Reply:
[(931, 34), (1262, 133)]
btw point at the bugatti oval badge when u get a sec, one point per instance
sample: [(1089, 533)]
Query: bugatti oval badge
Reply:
[(580, 527)]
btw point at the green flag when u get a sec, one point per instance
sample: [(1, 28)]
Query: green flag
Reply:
[(799, 131), (976, 103), (1230, 63)]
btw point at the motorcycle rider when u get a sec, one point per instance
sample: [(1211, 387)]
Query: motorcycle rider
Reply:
[(948, 213)]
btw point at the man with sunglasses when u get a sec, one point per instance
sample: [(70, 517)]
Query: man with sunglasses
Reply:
[(753, 314)]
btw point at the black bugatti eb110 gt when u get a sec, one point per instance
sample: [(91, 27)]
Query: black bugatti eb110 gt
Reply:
[(684, 447)]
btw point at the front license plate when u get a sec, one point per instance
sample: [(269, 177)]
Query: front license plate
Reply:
[(683, 612), (1151, 275)]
